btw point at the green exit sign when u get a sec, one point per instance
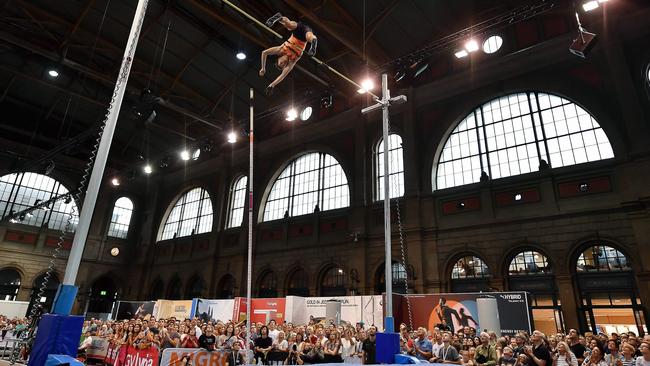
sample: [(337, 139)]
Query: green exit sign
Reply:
[(102, 293)]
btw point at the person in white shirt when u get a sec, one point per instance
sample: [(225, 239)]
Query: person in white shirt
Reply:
[(564, 356), (348, 348), (273, 331), (644, 359)]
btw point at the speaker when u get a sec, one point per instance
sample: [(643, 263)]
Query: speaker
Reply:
[(582, 45)]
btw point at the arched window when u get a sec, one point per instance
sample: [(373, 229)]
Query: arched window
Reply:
[(298, 283), (191, 214), (334, 282), (121, 218), (47, 297), (602, 258), (529, 263), (512, 134), (226, 288), (237, 199), (268, 285), (399, 278), (313, 179), (470, 267), (20, 191), (194, 288), (395, 170), (157, 290), (9, 284), (174, 289)]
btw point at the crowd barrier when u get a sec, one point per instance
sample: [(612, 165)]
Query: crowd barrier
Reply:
[(197, 357)]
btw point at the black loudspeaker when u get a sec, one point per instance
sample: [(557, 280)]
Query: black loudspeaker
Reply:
[(582, 45)]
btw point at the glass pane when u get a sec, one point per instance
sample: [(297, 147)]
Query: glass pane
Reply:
[(191, 214), (613, 320), (545, 321), (469, 267), (602, 258)]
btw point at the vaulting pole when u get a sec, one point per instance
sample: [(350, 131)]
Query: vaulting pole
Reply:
[(278, 35), (249, 270)]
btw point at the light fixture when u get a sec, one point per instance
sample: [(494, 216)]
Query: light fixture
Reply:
[(115, 251), (366, 86), (115, 182), (292, 114), (471, 45), (185, 155), (421, 68), (232, 137), (147, 169), (240, 55), (492, 44), (518, 197), (196, 154), (461, 54), (340, 271), (53, 73), (306, 113), (590, 5)]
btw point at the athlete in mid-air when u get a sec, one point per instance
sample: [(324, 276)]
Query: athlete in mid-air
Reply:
[(291, 50)]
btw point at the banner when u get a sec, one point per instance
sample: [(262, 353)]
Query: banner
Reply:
[(179, 309), (112, 353), (354, 309), (212, 309), (132, 309), (98, 348), (459, 310), (130, 356), (197, 357), (262, 310)]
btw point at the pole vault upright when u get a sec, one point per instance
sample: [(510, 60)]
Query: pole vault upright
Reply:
[(249, 263), (384, 103)]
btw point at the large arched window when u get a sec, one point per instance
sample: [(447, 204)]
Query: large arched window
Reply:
[(602, 258), (226, 287), (395, 168), (298, 283), (399, 278), (191, 214), (313, 179), (469, 267), (194, 287), (529, 263), (9, 284), (121, 218), (512, 134), (20, 191), (174, 288), (237, 199), (157, 289), (50, 285), (268, 285)]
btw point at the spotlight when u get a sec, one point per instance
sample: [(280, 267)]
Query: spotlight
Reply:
[(421, 68), (115, 182), (471, 45), (241, 56), (492, 44), (232, 137), (53, 73), (306, 113), (366, 86), (196, 154), (206, 146), (147, 169), (164, 162), (185, 155), (327, 101), (461, 54), (585, 41), (590, 5), (292, 114)]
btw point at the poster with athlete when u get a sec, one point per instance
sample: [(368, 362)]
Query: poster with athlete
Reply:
[(457, 310)]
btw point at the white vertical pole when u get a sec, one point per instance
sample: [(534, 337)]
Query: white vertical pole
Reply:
[(389, 326), (249, 270), (97, 174)]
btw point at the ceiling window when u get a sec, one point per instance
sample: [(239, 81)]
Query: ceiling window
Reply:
[(311, 181), (121, 218), (21, 191), (511, 135), (190, 215), (395, 168), (237, 199)]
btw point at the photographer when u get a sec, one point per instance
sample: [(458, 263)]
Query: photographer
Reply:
[(293, 357)]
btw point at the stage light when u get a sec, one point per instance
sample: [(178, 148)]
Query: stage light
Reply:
[(292, 114), (461, 54), (241, 56), (492, 44), (196, 154), (366, 85), (53, 73), (590, 5), (185, 155), (115, 182), (421, 69), (147, 169), (306, 113), (471, 45), (164, 162), (232, 137)]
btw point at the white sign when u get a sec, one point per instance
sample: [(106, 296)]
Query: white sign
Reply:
[(354, 309)]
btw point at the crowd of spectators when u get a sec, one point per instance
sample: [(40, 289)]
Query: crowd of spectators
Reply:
[(355, 344)]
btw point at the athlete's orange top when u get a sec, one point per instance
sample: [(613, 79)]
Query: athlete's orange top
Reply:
[(293, 48)]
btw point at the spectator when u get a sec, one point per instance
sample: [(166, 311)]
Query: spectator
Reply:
[(538, 353), (596, 358), (348, 348), (423, 348), (613, 356), (627, 350), (208, 341), (447, 353), (507, 358), (191, 341), (369, 348), (576, 346), (486, 354), (564, 356), (263, 345), (644, 358)]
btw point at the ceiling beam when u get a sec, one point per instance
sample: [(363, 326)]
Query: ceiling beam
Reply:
[(179, 74), (77, 23), (374, 24)]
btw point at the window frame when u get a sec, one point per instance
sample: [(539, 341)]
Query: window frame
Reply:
[(525, 254), (521, 124), (474, 258), (231, 199), (205, 197), (110, 229), (378, 177)]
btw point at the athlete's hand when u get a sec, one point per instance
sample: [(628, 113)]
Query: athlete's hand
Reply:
[(262, 72)]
